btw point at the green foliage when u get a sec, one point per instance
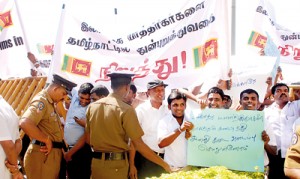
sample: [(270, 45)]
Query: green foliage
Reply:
[(217, 172)]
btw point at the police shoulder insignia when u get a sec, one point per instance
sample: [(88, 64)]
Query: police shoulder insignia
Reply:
[(294, 139), (40, 105)]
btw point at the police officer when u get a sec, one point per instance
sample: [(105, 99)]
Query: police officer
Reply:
[(42, 124), (110, 124), (292, 159)]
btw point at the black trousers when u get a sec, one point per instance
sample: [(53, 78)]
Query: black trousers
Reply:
[(276, 166), (25, 144), (63, 169), (80, 165), (146, 168)]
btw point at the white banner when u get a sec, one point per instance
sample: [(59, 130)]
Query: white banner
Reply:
[(174, 47), (13, 53), (250, 74), (287, 41), (40, 22)]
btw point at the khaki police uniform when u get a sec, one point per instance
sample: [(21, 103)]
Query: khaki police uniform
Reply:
[(292, 159), (110, 123), (42, 112), (38, 165)]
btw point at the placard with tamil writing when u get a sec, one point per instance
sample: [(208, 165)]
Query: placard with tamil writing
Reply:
[(227, 137)]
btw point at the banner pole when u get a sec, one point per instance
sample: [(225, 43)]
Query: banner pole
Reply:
[(57, 44)]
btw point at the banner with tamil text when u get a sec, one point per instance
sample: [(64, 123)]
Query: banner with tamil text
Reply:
[(287, 41), (173, 47)]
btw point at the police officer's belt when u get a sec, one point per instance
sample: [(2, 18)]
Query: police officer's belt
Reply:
[(110, 155), (58, 145)]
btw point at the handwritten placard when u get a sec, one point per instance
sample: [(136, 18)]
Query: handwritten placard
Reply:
[(227, 137)]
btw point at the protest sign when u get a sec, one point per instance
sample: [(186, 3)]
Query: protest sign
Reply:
[(227, 137)]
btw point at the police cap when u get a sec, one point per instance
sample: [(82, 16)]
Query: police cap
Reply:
[(120, 78), (294, 85), (155, 83), (68, 85)]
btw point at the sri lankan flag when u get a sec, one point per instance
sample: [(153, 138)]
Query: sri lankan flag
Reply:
[(206, 52), (2, 24), (5, 20), (45, 49), (258, 40), (76, 66)]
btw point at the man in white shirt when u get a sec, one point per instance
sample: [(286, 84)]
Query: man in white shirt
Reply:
[(172, 129), (249, 100), (149, 113), (10, 142), (282, 115)]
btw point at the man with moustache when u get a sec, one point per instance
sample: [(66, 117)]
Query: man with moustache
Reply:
[(281, 114), (227, 102), (42, 124), (149, 114)]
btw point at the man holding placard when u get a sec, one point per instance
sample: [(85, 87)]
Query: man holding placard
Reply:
[(222, 137), (249, 101), (174, 130)]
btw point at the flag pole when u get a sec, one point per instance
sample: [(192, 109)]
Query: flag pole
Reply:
[(57, 45), (233, 26)]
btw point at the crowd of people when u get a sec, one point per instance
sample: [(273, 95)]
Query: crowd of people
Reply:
[(110, 135)]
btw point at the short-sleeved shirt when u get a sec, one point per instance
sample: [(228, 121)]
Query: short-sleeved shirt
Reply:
[(42, 112), (149, 117), (73, 131), (176, 152), (269, 130), (9, 130), (292, 159), (110, 123), (282, 122)]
